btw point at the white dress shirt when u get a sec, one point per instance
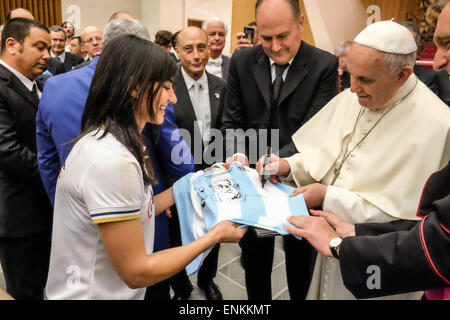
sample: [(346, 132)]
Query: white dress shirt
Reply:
[(60, 58), (26, 82), (199, 94), (274, 72), (214, 66)]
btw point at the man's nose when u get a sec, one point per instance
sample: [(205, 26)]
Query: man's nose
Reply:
[(276, 45), (440, 60)]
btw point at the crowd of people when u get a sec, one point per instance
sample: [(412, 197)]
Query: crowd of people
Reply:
[(95, 129)]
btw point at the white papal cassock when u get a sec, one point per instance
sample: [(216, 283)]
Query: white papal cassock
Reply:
[(382, 178)]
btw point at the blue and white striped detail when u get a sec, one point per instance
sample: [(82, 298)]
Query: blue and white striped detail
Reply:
[(207, 197)]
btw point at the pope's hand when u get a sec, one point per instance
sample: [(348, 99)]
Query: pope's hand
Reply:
[(275, 168), (314, 194)]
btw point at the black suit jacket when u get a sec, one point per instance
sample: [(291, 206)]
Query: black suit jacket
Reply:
[(24, 206), (225, 66), (55, 67), (71, 61), (412, 256), (429, 77), (312, 81), (185, 115)]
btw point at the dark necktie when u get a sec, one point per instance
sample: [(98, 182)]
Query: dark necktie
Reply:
[(276, 90), (34, 93), (277, 84)]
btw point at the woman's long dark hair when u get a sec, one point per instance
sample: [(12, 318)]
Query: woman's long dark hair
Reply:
[(127, 63)]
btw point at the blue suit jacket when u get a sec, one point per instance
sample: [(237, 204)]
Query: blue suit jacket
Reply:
[(58, 123)]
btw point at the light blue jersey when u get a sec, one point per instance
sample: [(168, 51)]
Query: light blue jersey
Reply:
[(233, 193)]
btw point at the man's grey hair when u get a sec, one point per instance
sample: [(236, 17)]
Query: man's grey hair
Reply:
[(395, 62), (342, 48), (58, 29), (124, 26), (215, 19)]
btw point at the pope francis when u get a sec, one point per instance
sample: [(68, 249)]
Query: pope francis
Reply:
[(367, 154)]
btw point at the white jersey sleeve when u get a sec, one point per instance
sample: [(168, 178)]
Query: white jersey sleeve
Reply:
[(112, 189)]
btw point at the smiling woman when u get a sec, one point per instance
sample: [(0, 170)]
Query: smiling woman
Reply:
[(104, 200)]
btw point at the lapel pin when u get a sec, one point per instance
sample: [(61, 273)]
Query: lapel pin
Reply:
[(217, 95)]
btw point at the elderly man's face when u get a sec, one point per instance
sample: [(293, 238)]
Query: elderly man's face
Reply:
[(442, 40), (371, 80), (280, 33), (92, 41), (192, 49), (216, 36)]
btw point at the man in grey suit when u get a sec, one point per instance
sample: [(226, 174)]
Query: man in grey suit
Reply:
[(199, 95), (218, 64)]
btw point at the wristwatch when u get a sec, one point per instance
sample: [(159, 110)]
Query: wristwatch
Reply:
[(334, 246)]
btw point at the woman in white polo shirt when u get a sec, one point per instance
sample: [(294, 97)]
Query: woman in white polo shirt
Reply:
[(103, 226)]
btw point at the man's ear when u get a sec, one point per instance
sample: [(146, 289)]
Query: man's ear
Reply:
[(403, 75), (12, 45)]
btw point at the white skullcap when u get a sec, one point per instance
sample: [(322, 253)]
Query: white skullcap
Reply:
[(387, 36)]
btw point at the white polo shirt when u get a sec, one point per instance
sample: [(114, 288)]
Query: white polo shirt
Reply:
[(101, 182)]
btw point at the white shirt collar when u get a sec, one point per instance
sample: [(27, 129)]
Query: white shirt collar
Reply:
[(217, 61), (272, 61), (273, 72), (26, 82), (190, 82), (62, 55)]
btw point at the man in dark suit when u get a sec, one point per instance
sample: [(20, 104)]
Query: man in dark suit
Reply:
[(25, 212), (58, 52), (199, 95), (218, 64), (272, 90)]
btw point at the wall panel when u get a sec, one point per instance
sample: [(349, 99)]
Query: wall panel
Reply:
[(244, 12), (46, 11)]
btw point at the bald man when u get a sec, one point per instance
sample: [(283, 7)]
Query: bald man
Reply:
[(19, 13), (91, 38), (196, 112)]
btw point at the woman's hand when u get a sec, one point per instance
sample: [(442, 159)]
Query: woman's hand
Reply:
[(228, 232)]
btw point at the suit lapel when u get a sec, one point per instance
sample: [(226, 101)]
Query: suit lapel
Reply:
[(297, 72), (184, 100), (184, 110), (261, 72), (15, 84), (214, 98)]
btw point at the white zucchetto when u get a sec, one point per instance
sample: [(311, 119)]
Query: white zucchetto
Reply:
[(387, 36)]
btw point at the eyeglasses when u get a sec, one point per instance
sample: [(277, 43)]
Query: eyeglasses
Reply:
[(97, 39)]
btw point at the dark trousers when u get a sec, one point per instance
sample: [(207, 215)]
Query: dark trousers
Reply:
[(25, 263), (257, 259)]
